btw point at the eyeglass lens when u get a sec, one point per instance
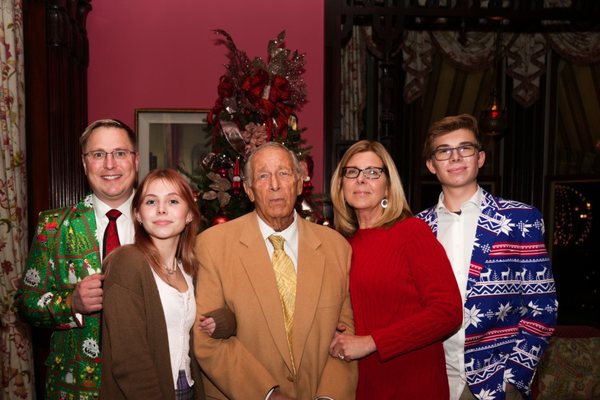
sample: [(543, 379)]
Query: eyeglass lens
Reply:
[(466, 150), (369, 172)]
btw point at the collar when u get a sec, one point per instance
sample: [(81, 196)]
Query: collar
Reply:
[(101, 208), (289, 233), (475, 200)]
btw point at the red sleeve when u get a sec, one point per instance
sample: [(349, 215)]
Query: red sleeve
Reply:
[(441, 313)]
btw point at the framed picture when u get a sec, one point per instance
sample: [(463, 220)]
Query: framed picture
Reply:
[(171, 138)]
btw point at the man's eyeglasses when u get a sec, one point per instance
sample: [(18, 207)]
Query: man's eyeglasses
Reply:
[(100, 155), (465, 150), (369, 172)]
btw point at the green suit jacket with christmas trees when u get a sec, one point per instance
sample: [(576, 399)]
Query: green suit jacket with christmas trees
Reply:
[(64, 251)]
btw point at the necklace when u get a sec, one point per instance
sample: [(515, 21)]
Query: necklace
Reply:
[(173, 269)]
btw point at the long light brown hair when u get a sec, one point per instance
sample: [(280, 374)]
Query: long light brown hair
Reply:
[(185, 246)]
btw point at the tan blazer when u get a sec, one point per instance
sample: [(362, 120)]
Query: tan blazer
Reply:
[(235, 270)]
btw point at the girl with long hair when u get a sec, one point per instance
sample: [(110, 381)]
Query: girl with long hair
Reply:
[(149, 305)]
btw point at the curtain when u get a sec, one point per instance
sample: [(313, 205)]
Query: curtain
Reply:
[(353, 82), (15, 346), (525, 55)]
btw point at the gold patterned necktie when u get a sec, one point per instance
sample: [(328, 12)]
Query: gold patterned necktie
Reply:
[(285, 275)]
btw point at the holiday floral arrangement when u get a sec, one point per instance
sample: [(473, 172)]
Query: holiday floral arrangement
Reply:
[(257, 102)]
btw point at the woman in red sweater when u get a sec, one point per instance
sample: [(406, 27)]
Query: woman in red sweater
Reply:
[(404, 295)]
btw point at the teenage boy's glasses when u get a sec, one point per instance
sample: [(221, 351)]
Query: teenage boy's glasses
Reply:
[(465, 150)]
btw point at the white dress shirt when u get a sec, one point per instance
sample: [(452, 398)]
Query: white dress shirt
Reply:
[(124, 222), (456, 233), (290, 234)]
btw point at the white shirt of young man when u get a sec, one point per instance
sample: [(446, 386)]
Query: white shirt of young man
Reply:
[(456, 233)]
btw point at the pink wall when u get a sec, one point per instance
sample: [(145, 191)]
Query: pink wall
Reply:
[(161, 54)]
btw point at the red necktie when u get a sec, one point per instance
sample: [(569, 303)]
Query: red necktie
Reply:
[(111, 235)]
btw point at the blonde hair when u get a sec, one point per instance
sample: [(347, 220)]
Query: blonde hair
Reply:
[(106, 123), (345, 218)]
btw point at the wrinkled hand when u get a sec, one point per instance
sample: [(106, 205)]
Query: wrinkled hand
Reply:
[(207, 324), (87, 296), (351, 347)]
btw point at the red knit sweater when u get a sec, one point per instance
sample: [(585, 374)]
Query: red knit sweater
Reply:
[(405, 296)]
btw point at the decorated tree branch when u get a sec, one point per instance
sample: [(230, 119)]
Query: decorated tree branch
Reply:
[(257, 102)]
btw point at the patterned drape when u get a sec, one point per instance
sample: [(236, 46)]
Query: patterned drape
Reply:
[(525, 55), (15, 346)]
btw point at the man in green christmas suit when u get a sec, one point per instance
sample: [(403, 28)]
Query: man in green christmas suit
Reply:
[(62, 284)]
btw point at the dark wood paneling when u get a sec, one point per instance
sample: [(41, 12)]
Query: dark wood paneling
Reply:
[(56, 60)]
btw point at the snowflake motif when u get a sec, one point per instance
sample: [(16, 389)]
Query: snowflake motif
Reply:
[(473, 316), (66, 222), (523, 311), (486, 394), (535, 309), (504, 310), (539, 224), (508, 375), (476, 242), (45, 300), (32, 277), (486, 248), (88, 201), (505, 224), (524, 228), (490, 314), (90, 348), (549, 309)]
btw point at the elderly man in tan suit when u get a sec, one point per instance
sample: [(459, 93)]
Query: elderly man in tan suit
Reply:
[(287, 302)]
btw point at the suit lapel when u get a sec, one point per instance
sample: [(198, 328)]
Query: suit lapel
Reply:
[(255, 260), (485, 236), (79, 231), (311, 267)]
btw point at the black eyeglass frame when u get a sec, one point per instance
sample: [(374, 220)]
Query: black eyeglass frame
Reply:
[(458, 149)]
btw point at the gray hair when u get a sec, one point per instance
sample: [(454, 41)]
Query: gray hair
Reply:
[(248, 172)]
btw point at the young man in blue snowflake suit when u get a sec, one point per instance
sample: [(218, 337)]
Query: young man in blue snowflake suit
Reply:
[(496, 248)]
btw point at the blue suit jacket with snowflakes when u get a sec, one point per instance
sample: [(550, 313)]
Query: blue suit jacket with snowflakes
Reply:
[(510, 307)]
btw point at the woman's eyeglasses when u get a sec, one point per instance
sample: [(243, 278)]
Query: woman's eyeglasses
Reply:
[(369, 172)]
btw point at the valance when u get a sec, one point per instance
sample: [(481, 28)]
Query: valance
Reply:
[(524, 53)]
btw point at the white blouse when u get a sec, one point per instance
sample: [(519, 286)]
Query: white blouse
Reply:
[(180, 314)]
